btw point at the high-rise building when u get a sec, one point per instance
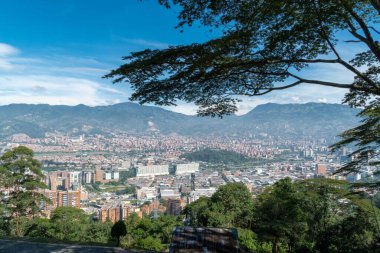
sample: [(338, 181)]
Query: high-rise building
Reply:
[(60, 198), (59, 180), (106, 176), (74, 180), (87, 177), (69, 198), (53, 197), (186, 168), (175, 206), (99, 175), (114, 213), (65, 180), (53, 184), (152, 170), (321, 169)]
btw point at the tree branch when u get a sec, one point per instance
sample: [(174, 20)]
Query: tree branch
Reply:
[(324, 83), (353, 30), (262, 62), (353, 41), (376, 5), (323, 32), (357, 72), (337, 85), (374, 29), (278, 88), (340, 60), (370, 42)]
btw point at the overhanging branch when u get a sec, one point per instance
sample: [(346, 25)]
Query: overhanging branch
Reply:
[(368, 36), (278, 88), (324, 83)]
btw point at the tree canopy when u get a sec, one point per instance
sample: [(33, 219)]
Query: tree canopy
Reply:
[(232, 200), (366, 139), (304, 216), (20, 178), (119, 229), (263, 47), (216, 156)]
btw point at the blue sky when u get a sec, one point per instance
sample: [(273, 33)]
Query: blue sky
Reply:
[(55, 52)]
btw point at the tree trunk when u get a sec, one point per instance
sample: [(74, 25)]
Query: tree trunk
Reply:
[(18, 233), (274, 246)]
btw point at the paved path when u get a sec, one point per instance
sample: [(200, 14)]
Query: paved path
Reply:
[(19, 246)]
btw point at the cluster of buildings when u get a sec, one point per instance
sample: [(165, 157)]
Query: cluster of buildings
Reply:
[(64, 189), (73, 180), (122, 210), (104, 176), (159, 190), (156, 184), (67, 188), (59, 198), (84, 150), (157, 170), (166, 183)]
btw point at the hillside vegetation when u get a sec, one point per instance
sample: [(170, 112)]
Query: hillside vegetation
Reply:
[(315, 120), (216, 156)]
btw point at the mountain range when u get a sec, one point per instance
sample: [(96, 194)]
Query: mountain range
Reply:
[(315, 120)]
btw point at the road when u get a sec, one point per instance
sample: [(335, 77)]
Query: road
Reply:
[(19, 246)]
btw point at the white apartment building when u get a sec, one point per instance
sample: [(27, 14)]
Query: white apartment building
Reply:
[(152, 170), (186, 168)]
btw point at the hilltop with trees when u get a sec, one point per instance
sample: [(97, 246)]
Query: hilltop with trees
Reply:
[(216, 156)]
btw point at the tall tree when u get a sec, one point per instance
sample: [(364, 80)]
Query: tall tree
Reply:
[(197, 212), (233, 200), (280, 215), (366, 138), (119, 229), (69, 223), (20, 178), (263, 47), (314, 216)]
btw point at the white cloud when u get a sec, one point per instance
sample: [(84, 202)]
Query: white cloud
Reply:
[(58, 79), (6, 65), (328, 72), (182, 107), (6, 54), (71, 80), (322, 100), (7, 50), (295, 99), (54, 90), (302, 94)]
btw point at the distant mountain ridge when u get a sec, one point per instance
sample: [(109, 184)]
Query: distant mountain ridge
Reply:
[(289, 120)]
